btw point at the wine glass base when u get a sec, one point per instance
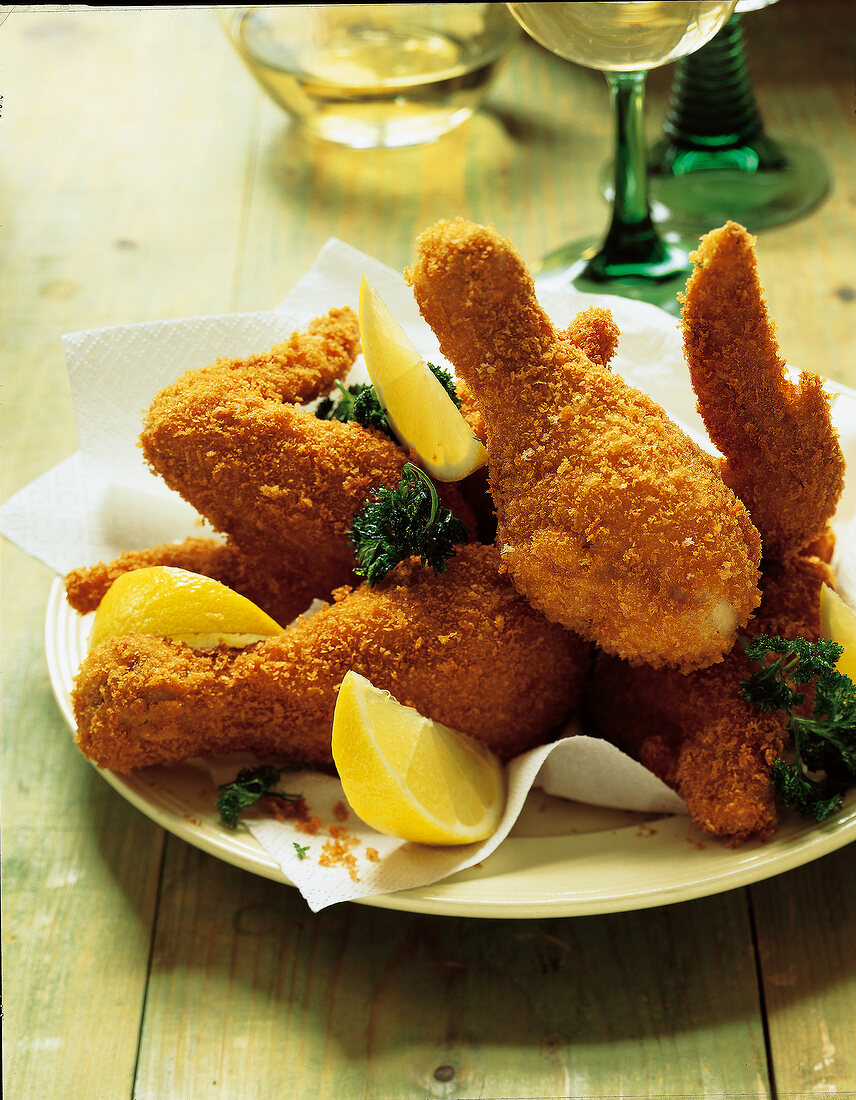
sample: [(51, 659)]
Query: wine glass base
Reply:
[(700, 191), (757, 197), (570, 268)]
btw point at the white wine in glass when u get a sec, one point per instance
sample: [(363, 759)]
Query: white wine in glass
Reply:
[(624, 41)]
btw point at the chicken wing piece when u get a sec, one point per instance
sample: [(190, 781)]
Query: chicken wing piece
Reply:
[(610, 519), (782, 456), (282, 484), (695, 731), (282, 592), (461, 647)]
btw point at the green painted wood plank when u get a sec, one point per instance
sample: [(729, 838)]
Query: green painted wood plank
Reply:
[(250, 991), (806, 921)]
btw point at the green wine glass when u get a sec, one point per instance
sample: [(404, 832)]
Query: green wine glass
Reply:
[(715, 160), (624, 41)]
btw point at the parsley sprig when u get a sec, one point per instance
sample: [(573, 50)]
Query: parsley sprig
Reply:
[(248, 786), (404, 521), (446, 380), (358, 402), (824, 734)]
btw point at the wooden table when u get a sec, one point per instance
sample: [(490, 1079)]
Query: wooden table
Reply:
[(144, 176)]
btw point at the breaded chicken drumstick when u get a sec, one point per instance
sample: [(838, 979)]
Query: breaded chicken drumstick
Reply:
[(610, 519), (461, 647), (236, 442), (695, 731), (782, 456)]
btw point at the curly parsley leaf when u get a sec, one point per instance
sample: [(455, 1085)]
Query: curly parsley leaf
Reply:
[(824, 739), (795, 789), (248, 786), (358, 402), (404, 521), (446, 381)]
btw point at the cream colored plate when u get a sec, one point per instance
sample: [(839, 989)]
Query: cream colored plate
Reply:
[(562, 858)]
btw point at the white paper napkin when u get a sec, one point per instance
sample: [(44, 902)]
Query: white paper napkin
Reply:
[(577, 767), (102, 500)]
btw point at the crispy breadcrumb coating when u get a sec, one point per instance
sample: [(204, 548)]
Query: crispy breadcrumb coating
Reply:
[(610, 519), (695, 732), (282, 484), (595, 332), (461, 647), (782, 455), (281, 592)]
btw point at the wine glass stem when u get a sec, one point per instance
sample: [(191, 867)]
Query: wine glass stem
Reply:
[(632, 238)]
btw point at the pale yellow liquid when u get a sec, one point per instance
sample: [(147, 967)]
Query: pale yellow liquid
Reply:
[(624, 37), (370, 81)]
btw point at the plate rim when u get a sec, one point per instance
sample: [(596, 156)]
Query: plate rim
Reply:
[(468, 893)]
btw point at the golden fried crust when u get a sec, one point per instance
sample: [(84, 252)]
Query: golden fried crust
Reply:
[(782, 455), (282, 484), (790, 603), (610, 519), (280, 591), (595, 332), (462, 648), (304, 366), (470, 408), (695, 731)]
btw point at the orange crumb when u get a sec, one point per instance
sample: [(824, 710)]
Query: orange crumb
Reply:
[(335, 853), (309, 825), (373, 854), (285, 811)]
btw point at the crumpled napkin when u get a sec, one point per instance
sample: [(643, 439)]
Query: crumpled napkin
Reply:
[(103, 500), (576, 767)]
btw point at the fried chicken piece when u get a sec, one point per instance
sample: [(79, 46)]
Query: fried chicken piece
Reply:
[(610, 519), (280, 588), (234, 441), (281, 592), (695, 731), (286, 511), (461, 647), (595, 332), (782, 456)]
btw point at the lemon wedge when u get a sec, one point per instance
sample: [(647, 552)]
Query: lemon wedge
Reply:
[(409, 777), (421, 413), (838, 622), (175, 603)]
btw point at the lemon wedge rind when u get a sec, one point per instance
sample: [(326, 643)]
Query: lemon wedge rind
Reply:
[(420, 411), (410, 777), (838, 622), (176, 603)]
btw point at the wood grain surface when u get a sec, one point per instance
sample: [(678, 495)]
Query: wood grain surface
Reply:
[(145, 176)]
